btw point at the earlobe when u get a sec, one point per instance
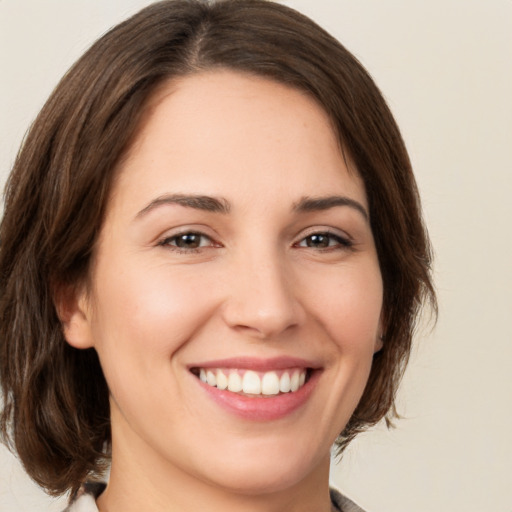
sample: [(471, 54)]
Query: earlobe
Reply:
[(379, 343), (73, 310)]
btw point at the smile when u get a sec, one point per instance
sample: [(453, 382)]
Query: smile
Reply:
[(256, 389), (254, 383)]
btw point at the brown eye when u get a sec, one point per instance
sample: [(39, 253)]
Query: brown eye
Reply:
[(325, 241), (188, 240), (319, 241)]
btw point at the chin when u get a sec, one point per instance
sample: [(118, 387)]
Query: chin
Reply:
[(263, 480), (268, 470)]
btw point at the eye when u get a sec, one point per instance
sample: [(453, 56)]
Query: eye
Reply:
[(189, 240), (325, 240)]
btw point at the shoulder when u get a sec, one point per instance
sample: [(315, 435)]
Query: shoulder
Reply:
[(85, 500), (342, 503)]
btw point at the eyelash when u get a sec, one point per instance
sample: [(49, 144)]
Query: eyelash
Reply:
[(167, 242), (340, 242)]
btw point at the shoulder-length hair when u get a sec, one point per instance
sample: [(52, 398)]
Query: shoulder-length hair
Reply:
[(56, 404)]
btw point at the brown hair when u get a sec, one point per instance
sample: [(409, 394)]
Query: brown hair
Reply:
[(56, 408)]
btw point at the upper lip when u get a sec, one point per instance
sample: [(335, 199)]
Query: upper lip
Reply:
[(258, 364)]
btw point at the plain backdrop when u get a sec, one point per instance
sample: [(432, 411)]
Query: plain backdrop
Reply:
[(445, 67)]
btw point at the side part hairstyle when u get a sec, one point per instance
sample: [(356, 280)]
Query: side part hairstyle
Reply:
[(56, 402)]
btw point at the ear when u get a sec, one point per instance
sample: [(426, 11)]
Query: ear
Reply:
[(73, 310), (379, 340), (379, 343)]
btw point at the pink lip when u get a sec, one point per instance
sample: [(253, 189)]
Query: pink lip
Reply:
[(257, 364), (256, 408)]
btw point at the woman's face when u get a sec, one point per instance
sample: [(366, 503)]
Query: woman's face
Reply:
[(236, 249)]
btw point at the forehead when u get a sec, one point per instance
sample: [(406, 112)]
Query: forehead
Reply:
[(217, 130)]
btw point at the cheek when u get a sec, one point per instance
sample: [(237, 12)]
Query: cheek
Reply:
[(145, 316), (147, 313), (348, 304)]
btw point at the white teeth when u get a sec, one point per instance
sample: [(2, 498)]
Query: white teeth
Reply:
[(254, 383), (284, 383), (251, 383), (222, 380), (270, 384), (294, 383), (210, 378), (234, 382)]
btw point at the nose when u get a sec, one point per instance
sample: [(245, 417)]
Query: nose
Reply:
[(261, 299)]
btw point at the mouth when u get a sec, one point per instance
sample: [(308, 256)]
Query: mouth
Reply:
[(253, 383), (258, 389)]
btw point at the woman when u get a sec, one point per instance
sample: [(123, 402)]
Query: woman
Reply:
[(212, 261)]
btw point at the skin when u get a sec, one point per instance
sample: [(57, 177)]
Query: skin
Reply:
[(257, 286)]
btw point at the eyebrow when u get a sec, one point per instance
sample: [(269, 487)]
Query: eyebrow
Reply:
[(221, 205), (312, 204), (198, 202)]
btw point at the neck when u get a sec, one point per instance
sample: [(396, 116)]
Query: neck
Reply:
[(140, 480)]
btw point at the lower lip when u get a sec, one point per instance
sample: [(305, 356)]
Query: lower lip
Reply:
[(262, 409)]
